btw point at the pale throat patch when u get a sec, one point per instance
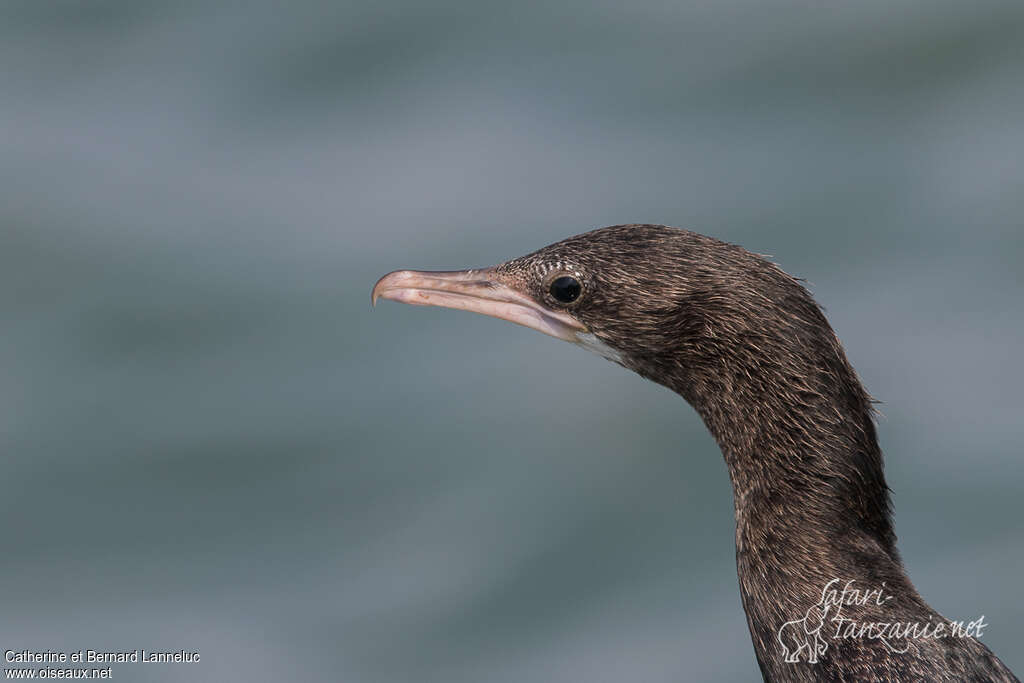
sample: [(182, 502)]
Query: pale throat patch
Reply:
[(591, 343)]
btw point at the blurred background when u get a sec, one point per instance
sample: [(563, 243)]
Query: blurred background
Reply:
[(210, 441)]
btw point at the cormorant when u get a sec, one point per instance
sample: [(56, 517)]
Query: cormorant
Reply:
[(822, 585)]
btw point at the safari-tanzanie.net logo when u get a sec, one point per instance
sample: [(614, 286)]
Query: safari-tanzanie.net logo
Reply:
[(807, 638)]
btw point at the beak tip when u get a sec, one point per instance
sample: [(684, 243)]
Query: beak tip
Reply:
[(379, 287)]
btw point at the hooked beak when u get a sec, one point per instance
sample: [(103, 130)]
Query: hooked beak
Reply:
[(478, 291)]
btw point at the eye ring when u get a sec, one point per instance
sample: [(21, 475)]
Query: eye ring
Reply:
[(565, 288)]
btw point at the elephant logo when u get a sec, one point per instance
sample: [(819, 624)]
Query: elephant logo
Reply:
[(804, 635)]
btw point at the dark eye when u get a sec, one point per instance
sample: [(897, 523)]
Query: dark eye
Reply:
[(565, 289)]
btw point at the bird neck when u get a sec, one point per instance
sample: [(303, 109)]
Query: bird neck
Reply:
[(815, 471), (810, 497), (807, 515), (798, 436)]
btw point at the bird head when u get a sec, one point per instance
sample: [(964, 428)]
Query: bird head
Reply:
[(677, 307)]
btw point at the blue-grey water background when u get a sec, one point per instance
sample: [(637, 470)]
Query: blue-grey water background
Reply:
[(211, 442)]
